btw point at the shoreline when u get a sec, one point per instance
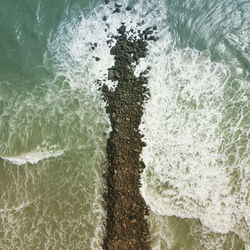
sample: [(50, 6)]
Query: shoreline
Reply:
[(126, 226)]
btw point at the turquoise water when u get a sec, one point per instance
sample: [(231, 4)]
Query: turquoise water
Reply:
[(53, 126)]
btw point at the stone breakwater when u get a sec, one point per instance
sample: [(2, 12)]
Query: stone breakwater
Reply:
[(126, 227)]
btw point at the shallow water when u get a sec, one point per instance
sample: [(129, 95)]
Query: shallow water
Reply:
[(53, 126)]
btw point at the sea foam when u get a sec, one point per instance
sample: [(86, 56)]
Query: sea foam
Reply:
[(197, 153), (32, 157)]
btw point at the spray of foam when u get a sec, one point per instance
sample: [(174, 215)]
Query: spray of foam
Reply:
[(197, 153), (84, 38), (32, 157), (178, 233)]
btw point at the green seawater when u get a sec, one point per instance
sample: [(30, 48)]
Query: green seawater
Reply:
[(53, 125)]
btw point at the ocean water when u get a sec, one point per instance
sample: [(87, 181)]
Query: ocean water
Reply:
[(53, 125)]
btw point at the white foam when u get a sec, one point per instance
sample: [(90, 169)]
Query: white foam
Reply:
[(74, 57), (194, 165), (32, 157)]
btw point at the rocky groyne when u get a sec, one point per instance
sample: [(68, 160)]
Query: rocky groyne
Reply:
[(126, 227)]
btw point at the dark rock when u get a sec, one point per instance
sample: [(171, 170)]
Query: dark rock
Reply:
[(118, 5), (117, 75), (148, 31), (106, 1), (111, 75), (97, 59), (128, 8), (105, 18), (113, 51), (122, 29), (126, 227), (152, 38), (117, 10), (105, 88), (113, 115)]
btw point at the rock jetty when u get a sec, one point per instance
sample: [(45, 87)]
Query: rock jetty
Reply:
[(126, 227)]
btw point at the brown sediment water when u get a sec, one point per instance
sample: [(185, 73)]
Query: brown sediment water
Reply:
[(126, 226)]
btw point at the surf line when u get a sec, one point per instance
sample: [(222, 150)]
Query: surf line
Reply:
[(126, 226)]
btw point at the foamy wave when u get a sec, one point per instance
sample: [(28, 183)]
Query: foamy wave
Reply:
[(75, 57), (196, 154), (32, 157)]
